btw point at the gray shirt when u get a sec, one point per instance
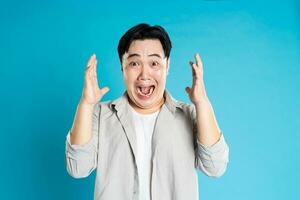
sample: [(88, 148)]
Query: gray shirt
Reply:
[(176, 153)]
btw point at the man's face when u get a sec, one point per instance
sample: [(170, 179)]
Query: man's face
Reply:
[(144, 72)]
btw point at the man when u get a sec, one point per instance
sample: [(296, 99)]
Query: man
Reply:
[(145, 144)]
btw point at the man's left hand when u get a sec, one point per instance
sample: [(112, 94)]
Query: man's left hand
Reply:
[(197, 93)]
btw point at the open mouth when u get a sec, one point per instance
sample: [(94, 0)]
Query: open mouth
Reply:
[(145, 91)]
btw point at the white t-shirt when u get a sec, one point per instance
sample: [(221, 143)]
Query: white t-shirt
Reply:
[(144, 126)]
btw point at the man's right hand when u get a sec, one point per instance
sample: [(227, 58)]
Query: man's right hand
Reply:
[(91, 93)]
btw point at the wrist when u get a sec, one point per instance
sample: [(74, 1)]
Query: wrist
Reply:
[(83, 103), (202, 101)]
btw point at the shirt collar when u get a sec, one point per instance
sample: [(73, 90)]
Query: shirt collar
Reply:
[(120, 103)]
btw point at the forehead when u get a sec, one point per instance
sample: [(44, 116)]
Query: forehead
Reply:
[(146, 47)]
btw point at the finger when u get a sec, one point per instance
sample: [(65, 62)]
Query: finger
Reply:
[(94, 73), (195, 69), (89, 63), (95, 78), (96, 67), (188, 89), (198, 60), (103, 91), (91, 68), (87, 72)]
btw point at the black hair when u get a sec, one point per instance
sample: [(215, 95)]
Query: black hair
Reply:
[(141, 32)]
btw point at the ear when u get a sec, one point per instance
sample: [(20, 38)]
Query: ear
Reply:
[(121, 64), (123, 61), (168, 65)]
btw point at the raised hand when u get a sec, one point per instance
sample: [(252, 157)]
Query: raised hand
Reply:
[(91, 92), (197, 93)]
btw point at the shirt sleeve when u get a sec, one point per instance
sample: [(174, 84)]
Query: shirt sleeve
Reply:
[(211, 160), (81, 160)]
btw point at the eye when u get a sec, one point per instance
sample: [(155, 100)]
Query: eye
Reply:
[(155, 63), (133, 64)]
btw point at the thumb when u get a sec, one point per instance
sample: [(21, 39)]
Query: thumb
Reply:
[(103, 91), (188, 90)]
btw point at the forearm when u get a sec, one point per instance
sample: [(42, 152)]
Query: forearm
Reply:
[(207, 126), (81, 131)]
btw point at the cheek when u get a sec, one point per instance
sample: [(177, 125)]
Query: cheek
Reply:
[(159, 76), (129, 77)]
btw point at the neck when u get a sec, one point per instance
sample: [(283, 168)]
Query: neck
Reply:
[(151, 110)]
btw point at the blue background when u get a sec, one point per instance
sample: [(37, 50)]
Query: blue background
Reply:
[(250, 52)]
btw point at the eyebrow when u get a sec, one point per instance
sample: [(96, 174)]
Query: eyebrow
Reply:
[(135, 54), (155, 54)]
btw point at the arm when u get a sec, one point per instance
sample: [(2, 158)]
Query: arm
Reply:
[(212, 151), (81, 131), (208, 129), (211, 158), (81, 159), (82, 139)]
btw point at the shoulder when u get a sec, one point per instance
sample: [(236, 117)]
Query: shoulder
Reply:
[(187, 108), (181, 106), (108, 108), (105, 106)]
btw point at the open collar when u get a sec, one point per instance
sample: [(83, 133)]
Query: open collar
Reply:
[(120, 104), (123, 112)]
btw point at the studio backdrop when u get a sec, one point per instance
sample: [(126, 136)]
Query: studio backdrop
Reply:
[(251, 61)]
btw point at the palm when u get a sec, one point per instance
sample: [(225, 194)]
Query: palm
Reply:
[(197, 92), (91, 93)]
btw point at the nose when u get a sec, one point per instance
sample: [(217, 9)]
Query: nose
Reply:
[(144, 73)]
